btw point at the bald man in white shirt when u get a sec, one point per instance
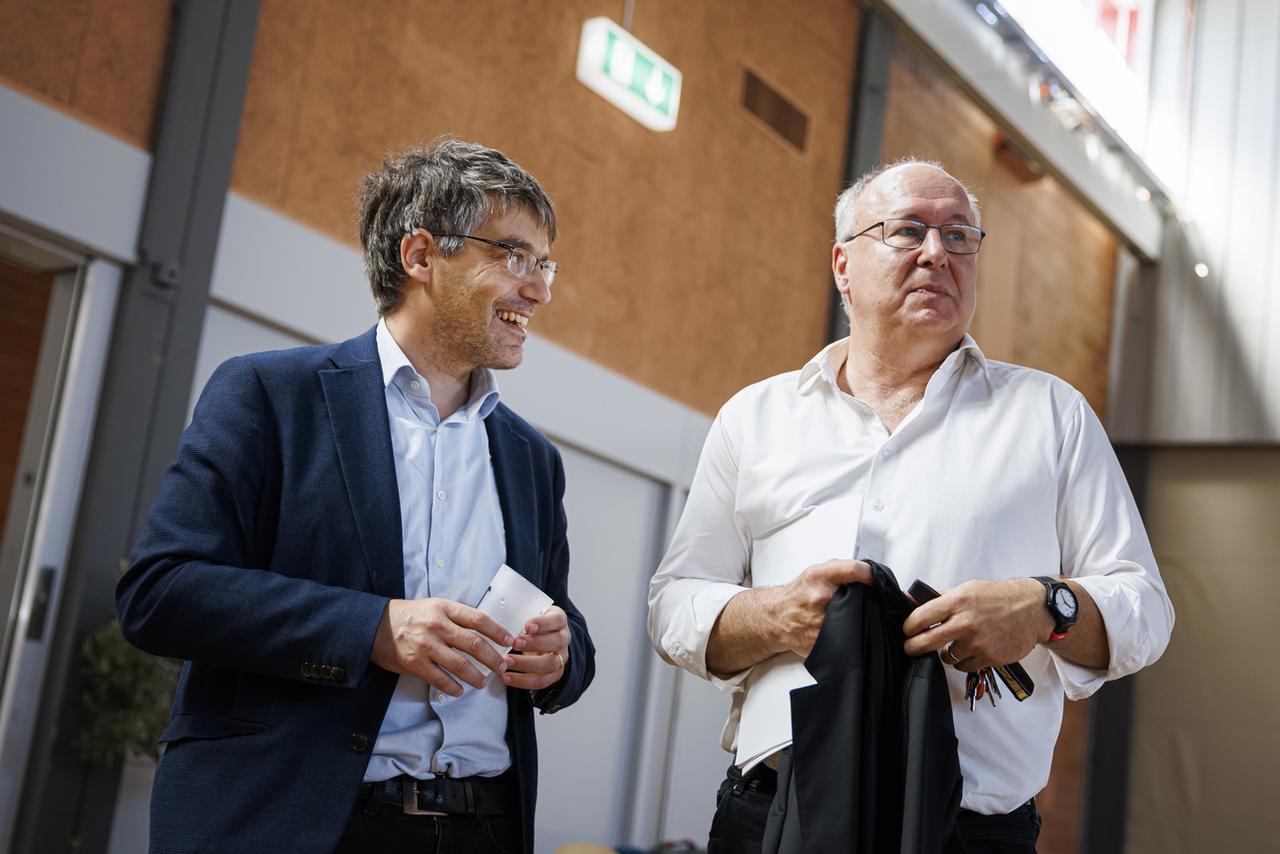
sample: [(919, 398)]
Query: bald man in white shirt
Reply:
[(905, 445)]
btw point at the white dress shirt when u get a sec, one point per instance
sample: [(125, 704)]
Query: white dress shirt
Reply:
[(453, 545), (998, 472)]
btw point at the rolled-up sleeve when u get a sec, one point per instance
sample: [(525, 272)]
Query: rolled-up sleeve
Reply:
[(1106, 550), (706, 565)]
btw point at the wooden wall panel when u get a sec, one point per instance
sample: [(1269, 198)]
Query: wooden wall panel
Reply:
[(24, 301), (1045, 281), (103, 61), (1046, 271), (694, 262)]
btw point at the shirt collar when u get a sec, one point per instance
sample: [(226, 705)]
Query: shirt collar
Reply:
[(830, 359), (484, 384)]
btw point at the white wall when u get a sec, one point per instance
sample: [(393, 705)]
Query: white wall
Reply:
[(1215, 141)]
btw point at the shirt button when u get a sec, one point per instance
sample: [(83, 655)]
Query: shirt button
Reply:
[(878, 505), (415, 385), (440, 697), (440, 563), (440, 495), (886, 452)]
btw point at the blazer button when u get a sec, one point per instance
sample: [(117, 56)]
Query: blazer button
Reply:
[(308, 670), (338, 674), (359, 742), (326, 672)]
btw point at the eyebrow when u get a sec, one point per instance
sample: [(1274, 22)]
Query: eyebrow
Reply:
[(525, 245), (960, 218)]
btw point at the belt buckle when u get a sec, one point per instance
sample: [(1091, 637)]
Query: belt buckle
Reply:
[(409, 799)]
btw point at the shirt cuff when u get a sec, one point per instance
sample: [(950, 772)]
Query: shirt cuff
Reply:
[(689, 632), (1130, 640)]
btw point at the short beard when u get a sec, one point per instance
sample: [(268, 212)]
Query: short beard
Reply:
[(464, 335)]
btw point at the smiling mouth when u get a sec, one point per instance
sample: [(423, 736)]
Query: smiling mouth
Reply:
[(513, 318)]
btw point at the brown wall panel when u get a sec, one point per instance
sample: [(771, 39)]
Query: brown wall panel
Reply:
[(24, 301), (103, 61), (706, 246), (1046, 272), (1045, 280)]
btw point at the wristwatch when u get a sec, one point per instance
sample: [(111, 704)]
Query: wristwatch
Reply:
[(1062, 605)]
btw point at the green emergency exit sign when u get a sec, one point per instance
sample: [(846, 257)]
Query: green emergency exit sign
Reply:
[(621, 69)]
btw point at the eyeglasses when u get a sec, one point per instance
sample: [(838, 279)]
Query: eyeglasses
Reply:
[(957, 238), (520, 262)]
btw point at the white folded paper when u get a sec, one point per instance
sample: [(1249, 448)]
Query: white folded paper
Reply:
[(513, 601), (825, 531)]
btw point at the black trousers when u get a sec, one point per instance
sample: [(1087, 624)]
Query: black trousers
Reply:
[(385, 829), (742, 809)]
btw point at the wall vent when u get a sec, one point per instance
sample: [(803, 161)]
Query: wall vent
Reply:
[(768, 105)]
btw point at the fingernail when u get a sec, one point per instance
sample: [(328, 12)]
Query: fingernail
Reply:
[(533, 627), (506, 678), (521, 642), (502, 668), (507, 639)]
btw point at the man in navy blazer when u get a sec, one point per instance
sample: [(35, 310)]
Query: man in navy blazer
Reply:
[(333, 517)]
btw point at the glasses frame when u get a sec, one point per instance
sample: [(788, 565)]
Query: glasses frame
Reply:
[(880, 225), (547, 267)]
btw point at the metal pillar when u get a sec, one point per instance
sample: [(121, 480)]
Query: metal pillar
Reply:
[(866, 123)]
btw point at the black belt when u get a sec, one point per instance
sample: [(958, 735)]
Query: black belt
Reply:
[(444, 795)]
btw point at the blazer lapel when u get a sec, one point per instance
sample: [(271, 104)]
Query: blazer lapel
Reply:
[(356, 400), (513, 474)]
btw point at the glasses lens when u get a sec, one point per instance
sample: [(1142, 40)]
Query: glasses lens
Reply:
[(904, 233), (519, 262), (961, 239), (549, 270)]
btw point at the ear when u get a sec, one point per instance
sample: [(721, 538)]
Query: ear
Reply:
[(840, 269), (417, 255)]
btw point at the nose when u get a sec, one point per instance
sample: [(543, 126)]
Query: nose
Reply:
[(535, 288), (932, 252)]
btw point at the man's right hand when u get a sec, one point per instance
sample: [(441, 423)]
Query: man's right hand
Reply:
[(426, 638), (805, 598), (760, 623)]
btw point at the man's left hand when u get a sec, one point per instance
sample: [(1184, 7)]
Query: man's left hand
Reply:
[(543, 652), (988, 622)]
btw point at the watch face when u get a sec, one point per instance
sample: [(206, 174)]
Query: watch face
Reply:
[(1065, 601)]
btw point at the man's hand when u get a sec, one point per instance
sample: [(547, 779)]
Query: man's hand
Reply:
[(990, 623), (760, 623), (805, 598), (543, 652), (426, 638)]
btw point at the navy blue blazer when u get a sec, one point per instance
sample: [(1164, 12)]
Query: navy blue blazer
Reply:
[(266, 563)]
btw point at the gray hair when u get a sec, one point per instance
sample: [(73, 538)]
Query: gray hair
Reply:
[(845, 203), (447, 187)]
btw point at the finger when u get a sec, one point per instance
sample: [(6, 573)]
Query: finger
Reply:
[(460, 667), (437, 678), (927, 615), (553, 619), (474, 618), (845, 571), (931, 640), (548, 663), (483, 651), (553, 642), (465, 640), (529, 681)]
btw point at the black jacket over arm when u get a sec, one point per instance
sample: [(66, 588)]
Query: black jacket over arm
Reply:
[(874, 759)]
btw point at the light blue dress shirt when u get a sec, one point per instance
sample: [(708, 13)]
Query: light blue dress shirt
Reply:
[(453, 545)]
